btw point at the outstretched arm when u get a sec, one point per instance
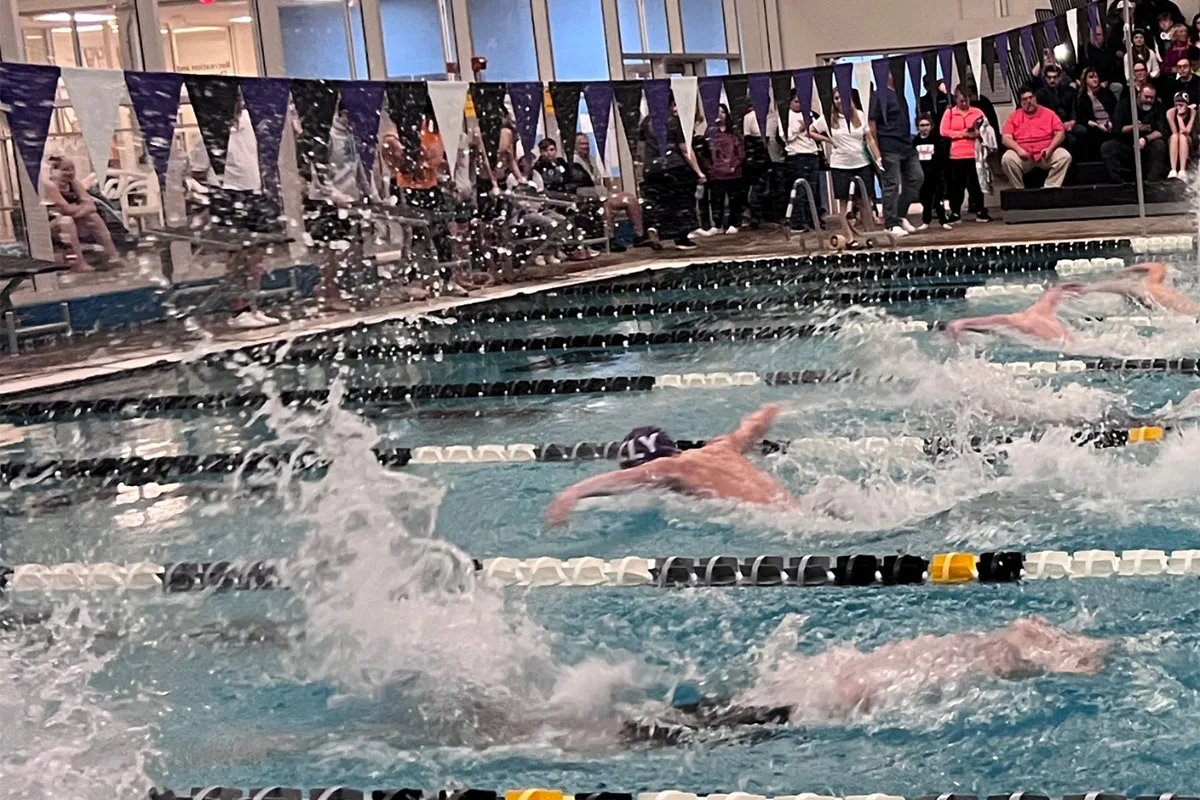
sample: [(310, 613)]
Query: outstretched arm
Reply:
[(610, 483), (751, 430)]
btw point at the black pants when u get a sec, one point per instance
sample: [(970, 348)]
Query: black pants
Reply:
[(808, 167), (1118, 157), (931, 193), (1088, 141), (733, 190), (964, 180), (670, 196)]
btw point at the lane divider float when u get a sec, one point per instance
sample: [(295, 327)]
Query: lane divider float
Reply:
[(346, 793)]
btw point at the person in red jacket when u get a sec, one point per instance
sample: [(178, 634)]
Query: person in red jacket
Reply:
[(961, 124), (726, 183)]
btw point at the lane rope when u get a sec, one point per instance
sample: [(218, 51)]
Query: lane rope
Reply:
[(347, 793), (857, 569)]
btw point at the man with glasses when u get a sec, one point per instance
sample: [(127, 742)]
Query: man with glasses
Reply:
[(1034, 137), (1151, 125)]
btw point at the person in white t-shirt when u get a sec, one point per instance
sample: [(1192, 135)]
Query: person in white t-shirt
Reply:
[(848, 156), (801, 160)]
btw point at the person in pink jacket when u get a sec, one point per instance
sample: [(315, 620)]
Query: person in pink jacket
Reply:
[(960, 124)]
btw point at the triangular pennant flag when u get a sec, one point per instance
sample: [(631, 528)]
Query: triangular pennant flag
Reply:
[(987, 56), (628, 95), (449, 101), (1072, 20), (96, 97), (1002, 56), (962, 63), (488, 101), (266, 101), (929, 60), (824, 80), (1052, 35), (946, 60), (914, 74), (527, 98), (564, 96), (710, 101), (896, 66), (759, 84), (1040, 45), (684, 87), (1093, 11), (27, 92), (882, 69), (316, 104), (155, 100), (1027, 45), (781, 89), (974, 57), (407, 102), (1017, 65), (214, 102), (736, 94), (363, 101), (803, 80), (599, 99), (658, 103), (843, 76), (862, 76)]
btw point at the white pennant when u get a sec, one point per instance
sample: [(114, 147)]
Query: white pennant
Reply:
[(975, 55), (863, 77), (96, 95), (449, 101), (685, 88), (1073, 32)]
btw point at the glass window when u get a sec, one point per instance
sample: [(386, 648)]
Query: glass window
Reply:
[(316, 43), (12, 221), (577, 39), (214, 38), (502, 32), (703, 26), (716, 66), (643, 26), (88, 37), (411, 49)]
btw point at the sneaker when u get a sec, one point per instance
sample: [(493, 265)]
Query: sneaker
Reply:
[(924, 226), (266, 319), (701, 232), (953, 218), (898, 231), (908, 226), (616, 247), (946, 226), (983, 216), (713, 231), (731, 230), (1183, 175), (553, 260), (246, 321), (539, 261), (684, 243), (1172, 174)]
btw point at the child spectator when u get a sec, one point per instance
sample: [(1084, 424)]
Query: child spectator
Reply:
[(1180, 119), (926, 143)]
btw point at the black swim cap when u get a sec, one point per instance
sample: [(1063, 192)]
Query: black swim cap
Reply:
[(643, 445)]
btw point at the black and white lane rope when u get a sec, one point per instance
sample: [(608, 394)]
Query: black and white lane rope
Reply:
[(347, 793)]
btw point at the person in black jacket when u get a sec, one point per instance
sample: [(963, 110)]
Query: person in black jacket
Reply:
[(1178, 78), (1151, 125), (933, 157), (1057, 96), (1094, 111)]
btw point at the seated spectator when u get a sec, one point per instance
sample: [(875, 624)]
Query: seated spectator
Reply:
[(1034, 137), (933, 164), (960, 126), (551, 167), (1098, 56), (1180, 79), (1142, 53), (1141, 77), (1093, 116), (1181, 48), (726, 182), (848, 159), (1181, 119), (73, 215), (1164, 37), (1057, 95), (587, 179), (1151, 125), (669, 180)]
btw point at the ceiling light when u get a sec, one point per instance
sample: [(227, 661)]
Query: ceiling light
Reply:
[(197, 29), (80, 16)]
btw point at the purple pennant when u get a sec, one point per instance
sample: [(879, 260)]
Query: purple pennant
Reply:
[(881, 69), (843, 77), (915, 62), (803, 81), (1094, 15), (710, 101), (599, 98), (760, 98), (946, 60), (658, 100), (363, 102), (527, 100), (155, 99), (267, 101), (1031, 55), (1052, 36), (1002, 54), (27, 92)]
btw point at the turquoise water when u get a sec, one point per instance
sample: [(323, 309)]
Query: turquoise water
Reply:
[(367, 676)]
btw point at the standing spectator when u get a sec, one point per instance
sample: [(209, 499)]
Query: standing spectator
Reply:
[(1093, 115), (932, 166), (587, 179), (1181, 118), (764, 168), (669, 180), (936, 99), (1180, 79), (704, 205), (1143, 53), (960, 126), (801, 161), (849, 159), (1034, 138), (727, 183), (1151, 125), (1057, 95), (892, 139)]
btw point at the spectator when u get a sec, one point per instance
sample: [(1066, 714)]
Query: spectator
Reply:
[(983, 104), (1180, 79), (1057, 96), (764, 168), (848, 158), (801, 161), (669, 180), (727, 181), (73, 215), (1164, 37), (1181, 47), (936, 99), (1142, 53), (1093, 116), (1141, 77), (587, 179), (1151, 124), (1034, 138), (1098, 56), (704, 158), (551, 167), (929, 154), (415, 175), (1181, 118), (960, 126), (891, 140)]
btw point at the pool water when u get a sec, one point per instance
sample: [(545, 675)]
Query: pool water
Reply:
[(384, 667)]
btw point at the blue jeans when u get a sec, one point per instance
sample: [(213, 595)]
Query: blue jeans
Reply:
[(902, 179), (808, 167)]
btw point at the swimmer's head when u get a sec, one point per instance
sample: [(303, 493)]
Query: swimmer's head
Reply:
[(1052, 649), (643, 445)]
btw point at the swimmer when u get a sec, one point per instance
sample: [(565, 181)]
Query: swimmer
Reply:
[(649, 459), (1038, 321), (1150, 289)]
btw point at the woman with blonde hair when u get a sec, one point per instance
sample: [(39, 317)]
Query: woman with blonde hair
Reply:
[(847, 139)]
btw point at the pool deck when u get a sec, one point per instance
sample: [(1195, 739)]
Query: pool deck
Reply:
[(95, 357)]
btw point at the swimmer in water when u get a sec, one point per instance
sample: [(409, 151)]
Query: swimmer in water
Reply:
[(1150, 289), (1038, 321), (720, 470), (843, 680)]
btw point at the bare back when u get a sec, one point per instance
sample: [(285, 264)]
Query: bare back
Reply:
[(718, 470)]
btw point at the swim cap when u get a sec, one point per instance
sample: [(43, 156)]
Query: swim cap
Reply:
[(643, 445), (1181, 97)]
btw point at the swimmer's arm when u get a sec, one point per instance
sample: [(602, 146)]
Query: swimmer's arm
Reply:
[(1124, 287), (751, 430), (610, 483)]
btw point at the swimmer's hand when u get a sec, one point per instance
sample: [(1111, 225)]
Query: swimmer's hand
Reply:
[(954, 330), (558, 513)]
